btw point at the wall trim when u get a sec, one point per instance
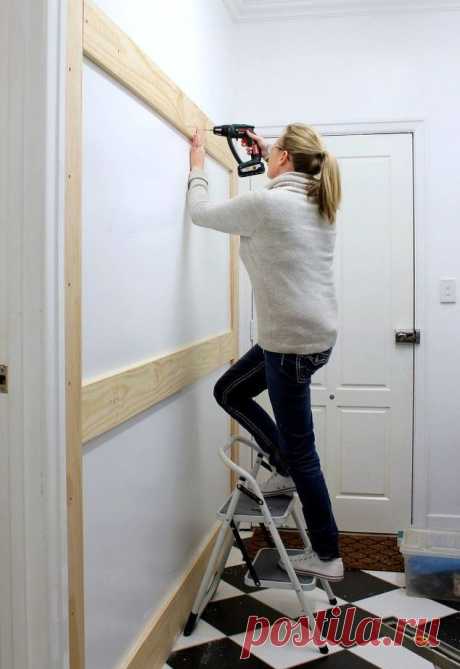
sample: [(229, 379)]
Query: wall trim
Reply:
[(242, 11), (112, 399), (72, 330), (420, 129)]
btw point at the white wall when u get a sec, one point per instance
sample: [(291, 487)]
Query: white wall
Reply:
[(195, 44), (385, 67), (191, 41), (152, 486)]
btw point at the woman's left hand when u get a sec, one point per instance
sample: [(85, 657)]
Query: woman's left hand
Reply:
[(197, 152)]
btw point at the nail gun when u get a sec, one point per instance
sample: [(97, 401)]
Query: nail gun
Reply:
[(239, 131)]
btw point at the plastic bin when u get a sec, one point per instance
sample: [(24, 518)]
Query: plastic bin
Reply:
[(431, 563)]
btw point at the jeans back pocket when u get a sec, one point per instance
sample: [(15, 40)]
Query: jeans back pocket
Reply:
[(301, 366)]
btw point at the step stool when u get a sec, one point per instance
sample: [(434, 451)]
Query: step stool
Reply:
[(247, 504)]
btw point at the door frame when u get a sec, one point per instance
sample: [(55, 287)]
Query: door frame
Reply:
[(33, 525), (419, 130)]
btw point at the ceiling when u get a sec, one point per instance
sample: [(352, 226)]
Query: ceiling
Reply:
[(243, 11)]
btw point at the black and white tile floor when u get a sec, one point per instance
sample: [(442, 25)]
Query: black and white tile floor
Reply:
[(218, 637)]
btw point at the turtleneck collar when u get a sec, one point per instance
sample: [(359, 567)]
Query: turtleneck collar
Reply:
[(294, 181)]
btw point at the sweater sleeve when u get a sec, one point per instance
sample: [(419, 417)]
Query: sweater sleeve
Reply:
[(239, 216)]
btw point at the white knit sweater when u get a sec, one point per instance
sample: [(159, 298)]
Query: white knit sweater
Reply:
[(287, 249)]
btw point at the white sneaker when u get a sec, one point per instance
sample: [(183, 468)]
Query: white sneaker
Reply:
[(303, 563), (278, 485)]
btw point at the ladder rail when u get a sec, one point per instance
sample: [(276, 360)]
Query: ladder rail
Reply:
[(243, 473), (269, 523)]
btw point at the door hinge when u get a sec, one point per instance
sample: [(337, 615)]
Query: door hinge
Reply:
[(407, 336), (3, 378)]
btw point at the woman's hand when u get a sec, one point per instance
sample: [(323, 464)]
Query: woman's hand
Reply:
[(197, 152), (261, 142)]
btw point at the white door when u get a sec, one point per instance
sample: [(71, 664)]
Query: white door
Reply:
[(363, 399), (6, 598)]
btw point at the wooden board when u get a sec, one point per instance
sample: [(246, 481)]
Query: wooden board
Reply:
[(72, 252), (112, 400)]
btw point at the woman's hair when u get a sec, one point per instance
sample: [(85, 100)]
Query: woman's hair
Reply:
[(309, 155)]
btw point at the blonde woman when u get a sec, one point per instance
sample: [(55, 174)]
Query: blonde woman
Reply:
[(287, 245)]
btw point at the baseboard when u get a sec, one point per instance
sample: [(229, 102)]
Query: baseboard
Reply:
[(154, 644)]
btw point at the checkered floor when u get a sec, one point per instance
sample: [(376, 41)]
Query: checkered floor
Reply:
[(217, 639)]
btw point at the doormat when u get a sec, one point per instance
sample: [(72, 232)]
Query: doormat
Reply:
[(376, 552)]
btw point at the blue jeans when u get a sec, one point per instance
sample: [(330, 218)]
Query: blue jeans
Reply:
[(290, 442)]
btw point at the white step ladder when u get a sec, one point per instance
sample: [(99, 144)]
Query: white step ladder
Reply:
[(247, 504)]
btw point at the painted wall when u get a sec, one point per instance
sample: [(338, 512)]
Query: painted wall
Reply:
[(191, 41), (153, 485), (385, 67)]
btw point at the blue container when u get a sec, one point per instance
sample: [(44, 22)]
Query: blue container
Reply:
[(432, 563)]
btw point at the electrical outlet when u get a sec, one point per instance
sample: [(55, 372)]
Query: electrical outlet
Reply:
[(448, 291)]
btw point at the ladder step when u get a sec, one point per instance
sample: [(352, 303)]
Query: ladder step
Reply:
[(271, 575), (248, 510)]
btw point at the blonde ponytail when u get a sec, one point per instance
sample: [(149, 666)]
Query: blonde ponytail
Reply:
[(309, 156), (330, 190)]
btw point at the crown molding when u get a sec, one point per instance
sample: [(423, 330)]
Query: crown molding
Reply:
[(247, 11)]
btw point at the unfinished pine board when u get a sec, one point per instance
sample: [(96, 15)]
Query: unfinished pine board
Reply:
[(110, 401), (72, 269)]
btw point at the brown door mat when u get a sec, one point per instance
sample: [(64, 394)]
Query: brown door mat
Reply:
[(377, 552)]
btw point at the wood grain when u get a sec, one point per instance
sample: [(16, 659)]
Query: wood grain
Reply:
[(113, 399), (72, 269)]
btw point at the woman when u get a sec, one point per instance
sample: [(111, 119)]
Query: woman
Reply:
[(287, 245)]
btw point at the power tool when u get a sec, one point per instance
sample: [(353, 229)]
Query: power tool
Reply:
[(239, 131)]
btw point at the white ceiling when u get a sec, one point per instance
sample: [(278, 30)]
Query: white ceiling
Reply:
[(270, 10)]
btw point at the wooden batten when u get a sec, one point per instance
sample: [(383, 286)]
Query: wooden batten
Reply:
[(72, 269), (113, 399)]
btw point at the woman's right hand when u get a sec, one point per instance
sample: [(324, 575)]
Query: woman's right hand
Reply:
[(264, 147)]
